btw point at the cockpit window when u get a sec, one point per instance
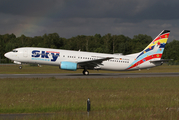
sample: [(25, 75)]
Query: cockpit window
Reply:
[(15, 51)]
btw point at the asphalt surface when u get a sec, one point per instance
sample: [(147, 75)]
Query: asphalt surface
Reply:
[(93, 75)]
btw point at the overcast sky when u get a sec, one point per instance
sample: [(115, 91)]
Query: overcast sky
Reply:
[(70, 18)]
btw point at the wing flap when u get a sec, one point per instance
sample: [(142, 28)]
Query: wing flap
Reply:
[(93, 63)]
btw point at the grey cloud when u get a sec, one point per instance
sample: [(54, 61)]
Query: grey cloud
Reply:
[(163, 10), (70, 18), (26, 7), (124, 9)]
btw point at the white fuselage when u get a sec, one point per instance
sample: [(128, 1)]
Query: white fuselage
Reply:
[(49, 56)]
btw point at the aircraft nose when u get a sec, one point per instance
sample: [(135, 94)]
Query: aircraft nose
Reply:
[(7, 55)]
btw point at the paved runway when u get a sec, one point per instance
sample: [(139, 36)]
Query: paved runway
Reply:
[(92, 75)]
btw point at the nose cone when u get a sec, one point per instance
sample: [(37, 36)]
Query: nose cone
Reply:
[(7, 55)]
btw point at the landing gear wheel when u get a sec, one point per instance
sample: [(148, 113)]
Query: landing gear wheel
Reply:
[(20, 67), (85, 72)]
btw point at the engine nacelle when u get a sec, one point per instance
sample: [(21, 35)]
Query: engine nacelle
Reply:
[(68, 66)]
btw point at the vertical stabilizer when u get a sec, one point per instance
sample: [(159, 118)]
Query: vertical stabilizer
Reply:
[(153, 51)]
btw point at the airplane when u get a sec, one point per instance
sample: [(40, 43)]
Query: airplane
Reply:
[(73, 60)]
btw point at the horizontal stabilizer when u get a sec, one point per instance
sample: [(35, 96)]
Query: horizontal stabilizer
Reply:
[(160, 61)]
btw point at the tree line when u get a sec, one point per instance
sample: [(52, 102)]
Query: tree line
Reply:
[(97, 43)]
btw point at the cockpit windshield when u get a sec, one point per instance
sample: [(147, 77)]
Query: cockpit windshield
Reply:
[(14, 50)]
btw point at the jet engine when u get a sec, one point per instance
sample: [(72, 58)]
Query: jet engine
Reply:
[(68, 66)]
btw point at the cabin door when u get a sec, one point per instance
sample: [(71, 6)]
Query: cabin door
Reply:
[(25, 53)]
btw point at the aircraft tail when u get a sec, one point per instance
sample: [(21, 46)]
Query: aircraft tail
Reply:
[(156, 47), (153, 52)]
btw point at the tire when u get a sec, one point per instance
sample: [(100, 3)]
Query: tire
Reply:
[(20, 67), (85, 72)]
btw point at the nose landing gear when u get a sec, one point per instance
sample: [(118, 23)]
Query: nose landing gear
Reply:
[(20, 67)]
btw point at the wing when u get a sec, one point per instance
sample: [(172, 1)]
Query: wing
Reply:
[(91, 64)]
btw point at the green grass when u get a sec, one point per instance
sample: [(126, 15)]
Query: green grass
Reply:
[(114, 98), (111, 98), (45, 69)]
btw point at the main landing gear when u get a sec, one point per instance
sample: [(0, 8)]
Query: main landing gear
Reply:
[(85, 72)]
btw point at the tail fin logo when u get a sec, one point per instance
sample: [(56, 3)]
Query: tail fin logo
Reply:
[(157, 45), (153, 50)]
